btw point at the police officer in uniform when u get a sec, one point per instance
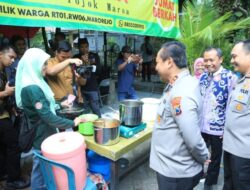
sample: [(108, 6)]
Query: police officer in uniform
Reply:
[(236, 143), (177, 149)]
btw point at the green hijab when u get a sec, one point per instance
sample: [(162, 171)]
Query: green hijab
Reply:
[(29, 72)]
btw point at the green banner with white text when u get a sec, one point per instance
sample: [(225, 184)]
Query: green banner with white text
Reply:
[(143, 17)]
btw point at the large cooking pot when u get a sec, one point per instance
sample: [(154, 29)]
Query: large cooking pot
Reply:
[(130, 112), (106, 131)]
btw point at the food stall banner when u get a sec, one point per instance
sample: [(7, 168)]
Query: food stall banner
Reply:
[(143, 17)]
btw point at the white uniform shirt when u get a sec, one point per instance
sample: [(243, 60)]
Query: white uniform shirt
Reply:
[(236, 138), (177, 148)]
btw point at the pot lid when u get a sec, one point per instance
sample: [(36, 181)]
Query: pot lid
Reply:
[(62, 143), (150, 100), (71, 110), (131, 103)]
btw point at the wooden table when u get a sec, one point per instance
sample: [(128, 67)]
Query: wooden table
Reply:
[(116, 151)]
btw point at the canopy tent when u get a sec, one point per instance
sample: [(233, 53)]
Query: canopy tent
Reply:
[(25, 32), (144, 17)]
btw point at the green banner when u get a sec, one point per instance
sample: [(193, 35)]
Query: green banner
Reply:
[(143, 17)]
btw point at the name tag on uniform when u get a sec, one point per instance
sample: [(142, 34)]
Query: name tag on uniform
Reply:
[(244, 91)]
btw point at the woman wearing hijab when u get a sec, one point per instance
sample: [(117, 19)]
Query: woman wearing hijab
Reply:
[(198, 67), (35, 97)]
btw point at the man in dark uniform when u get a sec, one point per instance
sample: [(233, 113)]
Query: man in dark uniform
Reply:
[(147, 56), (9, 149), (89, 86)]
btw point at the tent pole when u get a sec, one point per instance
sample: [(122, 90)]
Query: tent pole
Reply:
[(134, 44), (58, 30), (45, 40), (105, 49), (28, 36)]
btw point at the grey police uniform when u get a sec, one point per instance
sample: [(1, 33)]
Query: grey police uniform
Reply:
[(236, 143), (177, 148), (236, 138)]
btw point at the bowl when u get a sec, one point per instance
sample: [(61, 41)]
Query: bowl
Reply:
[(87, 128), (71, 113)]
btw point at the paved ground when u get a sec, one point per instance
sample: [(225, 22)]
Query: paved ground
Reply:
[(141, 178), (144, 178)]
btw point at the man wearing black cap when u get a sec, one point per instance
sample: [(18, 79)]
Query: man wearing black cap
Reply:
[(127, 64)]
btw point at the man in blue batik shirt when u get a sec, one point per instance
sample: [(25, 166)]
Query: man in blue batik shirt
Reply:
[(215, 85), (127, 64)]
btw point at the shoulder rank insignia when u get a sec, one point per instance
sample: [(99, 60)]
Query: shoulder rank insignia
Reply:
[(176, 104), (240, 97)]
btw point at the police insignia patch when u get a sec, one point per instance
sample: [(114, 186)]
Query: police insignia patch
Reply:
[(238, 107), (38, 105), (176, 104), (240, 97), (245, 86)]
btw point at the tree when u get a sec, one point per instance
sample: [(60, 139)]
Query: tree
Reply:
[(230, 5), (201, 27), (224, 7)]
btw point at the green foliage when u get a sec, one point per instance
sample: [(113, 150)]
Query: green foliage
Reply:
[(223, 6), (37, 40), (202, 27)]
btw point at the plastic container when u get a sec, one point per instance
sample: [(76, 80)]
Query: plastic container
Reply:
[(67, 148), (150, 107), (87, 127), (99, 164)]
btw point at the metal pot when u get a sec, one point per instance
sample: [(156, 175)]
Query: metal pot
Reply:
[(106, 131), (130, 112)]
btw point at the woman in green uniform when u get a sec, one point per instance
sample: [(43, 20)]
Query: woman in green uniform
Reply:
[(35, 97)]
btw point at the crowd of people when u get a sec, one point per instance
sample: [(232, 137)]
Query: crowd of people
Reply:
[(197, 119), (23, 89), (34, 84)]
